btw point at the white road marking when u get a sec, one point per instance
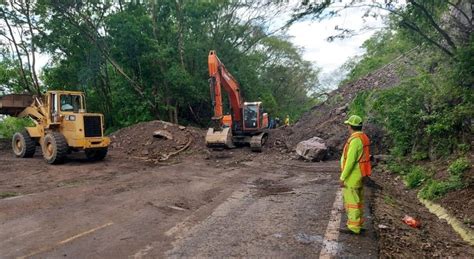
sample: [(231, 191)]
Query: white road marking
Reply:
[(142, 252), (67, 240), (330, 245)]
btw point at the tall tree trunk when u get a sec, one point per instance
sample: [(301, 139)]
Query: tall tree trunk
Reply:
[(27, 9), (17, 50), (179, 12)]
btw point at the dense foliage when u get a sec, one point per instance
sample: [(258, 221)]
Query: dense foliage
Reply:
[(144, 60)]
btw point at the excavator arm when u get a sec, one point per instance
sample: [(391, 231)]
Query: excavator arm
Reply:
[(220, 78)]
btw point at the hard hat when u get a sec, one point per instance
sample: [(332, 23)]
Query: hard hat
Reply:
[(354, 120)]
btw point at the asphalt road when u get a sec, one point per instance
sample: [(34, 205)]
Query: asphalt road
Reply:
[(121, 208)]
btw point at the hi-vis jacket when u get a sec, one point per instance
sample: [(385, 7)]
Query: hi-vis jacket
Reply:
[(355, 161)]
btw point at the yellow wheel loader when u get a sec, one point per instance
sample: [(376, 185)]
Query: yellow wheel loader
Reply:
[(62, 126)]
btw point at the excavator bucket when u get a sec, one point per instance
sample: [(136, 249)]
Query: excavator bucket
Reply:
[(219, 138), (13, 104)]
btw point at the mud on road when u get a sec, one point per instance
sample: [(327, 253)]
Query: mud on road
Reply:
[(227, 204)]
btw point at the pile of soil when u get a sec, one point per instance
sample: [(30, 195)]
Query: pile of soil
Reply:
[(435, 238), (142, 141)]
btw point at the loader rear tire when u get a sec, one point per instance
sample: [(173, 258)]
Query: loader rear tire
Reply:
[(23, 145), (96, 154), (55, 148)]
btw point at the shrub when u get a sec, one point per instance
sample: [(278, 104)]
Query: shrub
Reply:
[(10, 125), (359, 105), (395, 167), (458, 167), (415, 177), (434, 189), (418, 156)]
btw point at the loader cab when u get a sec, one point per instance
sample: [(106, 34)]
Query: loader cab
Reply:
[(66, 102), (254, 117)]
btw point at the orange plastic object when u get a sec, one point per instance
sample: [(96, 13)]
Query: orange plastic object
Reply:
[(412, 222)]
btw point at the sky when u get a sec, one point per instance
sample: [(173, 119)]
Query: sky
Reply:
[(329, 56)]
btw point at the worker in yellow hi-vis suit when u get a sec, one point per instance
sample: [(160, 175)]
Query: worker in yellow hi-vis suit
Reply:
[(287, 120), (355, 164)]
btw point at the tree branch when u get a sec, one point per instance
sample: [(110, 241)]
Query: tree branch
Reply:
[(433, 23)]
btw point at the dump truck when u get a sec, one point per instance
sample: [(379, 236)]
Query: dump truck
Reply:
[(61, 126)]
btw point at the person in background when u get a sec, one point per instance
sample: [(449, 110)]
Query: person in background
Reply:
[(287, 120), (277, 122), (271, 123)]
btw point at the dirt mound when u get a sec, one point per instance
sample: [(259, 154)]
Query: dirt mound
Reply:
[(156, 140)]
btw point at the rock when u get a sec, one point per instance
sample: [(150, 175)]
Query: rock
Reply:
[(313, 149), (181, 127), (144, 152), (381, 226), (342, 109), (381, 158), (162, 134)]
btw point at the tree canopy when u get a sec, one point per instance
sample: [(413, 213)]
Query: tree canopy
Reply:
[(144, 60)]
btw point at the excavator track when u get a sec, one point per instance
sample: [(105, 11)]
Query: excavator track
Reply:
[(257, 142)]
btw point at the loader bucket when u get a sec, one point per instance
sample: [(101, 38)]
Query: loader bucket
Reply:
[(13, 104), (219, 138)]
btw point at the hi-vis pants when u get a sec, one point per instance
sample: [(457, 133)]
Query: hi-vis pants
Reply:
[(354, 205)]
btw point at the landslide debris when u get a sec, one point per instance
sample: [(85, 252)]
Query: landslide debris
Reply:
[(157, 140), (325, 120)]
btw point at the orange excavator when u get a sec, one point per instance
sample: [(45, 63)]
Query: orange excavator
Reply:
[(247, 121)]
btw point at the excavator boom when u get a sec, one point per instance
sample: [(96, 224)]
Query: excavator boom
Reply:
[(220, 78)]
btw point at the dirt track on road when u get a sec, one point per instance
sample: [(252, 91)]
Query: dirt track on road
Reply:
[(218, 204)]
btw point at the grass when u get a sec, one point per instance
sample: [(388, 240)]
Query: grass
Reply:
[(4, 195)]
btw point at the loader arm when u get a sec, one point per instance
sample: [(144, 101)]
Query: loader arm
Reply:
[(36, 111)]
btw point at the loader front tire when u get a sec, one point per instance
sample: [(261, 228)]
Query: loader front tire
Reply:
[(96, 154), (55, 148), (23, 145)]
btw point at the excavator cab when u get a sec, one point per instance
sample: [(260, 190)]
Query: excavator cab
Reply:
[(254, 117)]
